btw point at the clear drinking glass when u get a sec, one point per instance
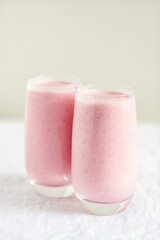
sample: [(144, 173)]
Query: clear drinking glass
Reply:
[(48, 118), (104, 148)]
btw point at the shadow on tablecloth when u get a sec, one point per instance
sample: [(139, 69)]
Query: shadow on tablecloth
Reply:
[(16, 193)]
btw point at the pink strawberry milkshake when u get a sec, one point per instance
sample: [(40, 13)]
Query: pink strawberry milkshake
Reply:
[(104, 148), (49, 116)]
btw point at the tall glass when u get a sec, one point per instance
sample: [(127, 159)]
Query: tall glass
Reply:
[(48, 118), (104, 148)]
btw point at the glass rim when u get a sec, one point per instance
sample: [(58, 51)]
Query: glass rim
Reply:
[(71, 80), (89, 90)]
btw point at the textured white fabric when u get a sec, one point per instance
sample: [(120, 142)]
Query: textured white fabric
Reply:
[(25, 215)]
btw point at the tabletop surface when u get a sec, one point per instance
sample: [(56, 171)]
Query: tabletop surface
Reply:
[(25, 215)]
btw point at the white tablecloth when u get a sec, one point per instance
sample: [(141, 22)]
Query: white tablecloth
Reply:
[(25, 215)]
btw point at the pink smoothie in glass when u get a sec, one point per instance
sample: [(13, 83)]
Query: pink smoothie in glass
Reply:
[(49, 115), (104, 154)]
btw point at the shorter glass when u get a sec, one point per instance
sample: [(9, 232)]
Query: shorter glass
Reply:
[(48, 119), (104, 148)]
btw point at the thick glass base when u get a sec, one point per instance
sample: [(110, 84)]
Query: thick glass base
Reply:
[(105, 208), (52, 191)]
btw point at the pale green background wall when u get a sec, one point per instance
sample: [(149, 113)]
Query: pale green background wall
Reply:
[(101, 41)]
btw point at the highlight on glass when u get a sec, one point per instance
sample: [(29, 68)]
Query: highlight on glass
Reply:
[(104, 148), (48, 119)]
